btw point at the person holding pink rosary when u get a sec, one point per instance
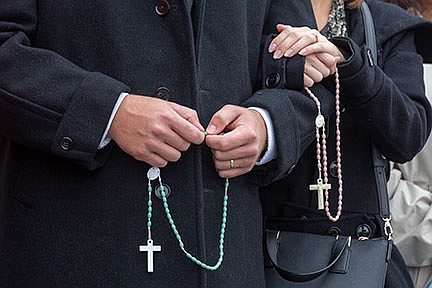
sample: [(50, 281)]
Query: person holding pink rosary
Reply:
[(377, 102)]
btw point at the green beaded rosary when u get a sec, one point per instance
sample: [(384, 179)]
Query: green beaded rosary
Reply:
[(153, 174)]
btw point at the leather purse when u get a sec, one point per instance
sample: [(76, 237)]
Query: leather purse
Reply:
[(300, 259), (312, 260)]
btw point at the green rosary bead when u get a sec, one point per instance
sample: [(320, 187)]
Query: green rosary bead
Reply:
[(222, 231), (149, 209), (174, 228)]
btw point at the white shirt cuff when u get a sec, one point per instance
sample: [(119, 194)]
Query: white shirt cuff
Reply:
[(105, 139), (270, 154)]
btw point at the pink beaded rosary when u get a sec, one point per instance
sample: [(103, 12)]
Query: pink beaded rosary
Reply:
[(324, 186)]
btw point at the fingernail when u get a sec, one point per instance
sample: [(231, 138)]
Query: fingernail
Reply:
[(303, 51), (277, 54), (272, 48), (211, 129), (289, 53)]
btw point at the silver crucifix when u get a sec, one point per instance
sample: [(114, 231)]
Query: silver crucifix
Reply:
[(320, 187)]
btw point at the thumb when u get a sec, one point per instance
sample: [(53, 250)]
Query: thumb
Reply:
[(222, 118)]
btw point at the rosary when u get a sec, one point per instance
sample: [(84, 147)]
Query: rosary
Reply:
[(153, 174), (322, 186)]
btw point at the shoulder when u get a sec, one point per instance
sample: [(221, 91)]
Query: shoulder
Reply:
[(391, 20)]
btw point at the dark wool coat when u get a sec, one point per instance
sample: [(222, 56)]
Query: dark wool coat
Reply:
[(385, 105), (74, 216)]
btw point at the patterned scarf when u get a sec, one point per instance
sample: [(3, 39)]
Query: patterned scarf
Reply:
[(336, 24)]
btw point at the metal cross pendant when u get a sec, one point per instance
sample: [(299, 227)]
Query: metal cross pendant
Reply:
[(149, 248), (320, 187)]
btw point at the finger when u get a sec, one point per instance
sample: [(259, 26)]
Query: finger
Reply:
[(303, 42), (278, 41), (164, 150), (176, 141), (308, 82), (294, 39), (187, 113), (168, 153), (319, 66), (279, 38), (187, 130), (223, 142), (237, 163), (154, 160), (238, 167), (281, 27), (148, 156), (242, 137), (222, 118), (231, 173), (287, 37), (323, 45), (245, 151), (328, 60), (165, 134), (314, 74)]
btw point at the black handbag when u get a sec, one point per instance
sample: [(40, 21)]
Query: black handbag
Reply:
[(301, 259)]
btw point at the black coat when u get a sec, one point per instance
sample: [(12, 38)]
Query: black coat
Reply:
[(73, 215), (385, 105)]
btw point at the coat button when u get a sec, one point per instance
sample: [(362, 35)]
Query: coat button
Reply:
[(66, 143), (162, 7), (364, 230), (158, 191), (163, 93), (333, 169), (272, 80)]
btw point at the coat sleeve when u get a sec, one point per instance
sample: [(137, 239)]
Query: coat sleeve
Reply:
[(47, 102), (281, 93), (388, 102)]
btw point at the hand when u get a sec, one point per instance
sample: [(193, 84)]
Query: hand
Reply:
[(238, 134), (291, 40), (321, 55), (317, 67), (321, 60), (155, 131)]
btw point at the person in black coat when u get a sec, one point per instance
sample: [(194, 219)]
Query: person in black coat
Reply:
[(384, 104), (84, 116)]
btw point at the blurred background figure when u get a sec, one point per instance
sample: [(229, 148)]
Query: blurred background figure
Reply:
[(410, 188)]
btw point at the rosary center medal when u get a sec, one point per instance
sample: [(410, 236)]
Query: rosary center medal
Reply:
[(153, 173), (319, 121)]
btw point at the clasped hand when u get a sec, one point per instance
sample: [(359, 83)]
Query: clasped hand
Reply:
[(321, 54), (158, 132)]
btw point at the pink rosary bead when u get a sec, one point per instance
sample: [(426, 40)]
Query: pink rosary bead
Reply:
[(322, 150)]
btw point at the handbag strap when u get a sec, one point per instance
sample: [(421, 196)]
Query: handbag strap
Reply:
[(272, 238), (378, 161)]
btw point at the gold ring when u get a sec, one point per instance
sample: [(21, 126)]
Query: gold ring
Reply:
[(231, 164)]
